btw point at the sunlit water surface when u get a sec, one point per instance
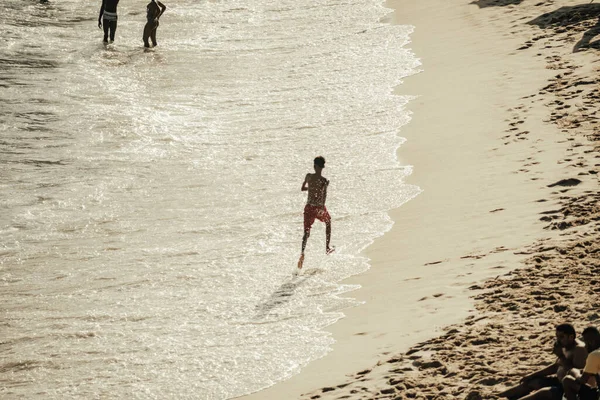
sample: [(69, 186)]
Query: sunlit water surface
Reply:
[(151, 213)]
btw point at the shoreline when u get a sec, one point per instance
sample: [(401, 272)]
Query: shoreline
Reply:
[(485, 147)]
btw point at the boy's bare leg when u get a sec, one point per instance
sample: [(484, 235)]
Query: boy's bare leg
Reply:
[(304, 240), (328, 237), (301, 261), (113, 30), (153, 37), (571, 387), (147, 34), (516, 392), (106, 27), (542, 394)]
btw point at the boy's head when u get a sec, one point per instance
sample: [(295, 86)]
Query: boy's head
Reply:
[(319, 162), (591, 337), (565, 335)]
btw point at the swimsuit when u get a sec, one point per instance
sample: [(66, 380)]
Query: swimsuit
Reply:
[(109, 16), (311, 212)]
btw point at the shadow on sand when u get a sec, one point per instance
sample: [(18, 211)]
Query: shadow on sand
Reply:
[(495, 3), (570, 16)]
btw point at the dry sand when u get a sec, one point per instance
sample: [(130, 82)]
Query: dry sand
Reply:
[(503, 242)]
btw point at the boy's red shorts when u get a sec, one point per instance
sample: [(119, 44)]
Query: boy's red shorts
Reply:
[(311, 212)]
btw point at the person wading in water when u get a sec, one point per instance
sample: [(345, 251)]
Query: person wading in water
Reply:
[(154, 10), (108, 18)]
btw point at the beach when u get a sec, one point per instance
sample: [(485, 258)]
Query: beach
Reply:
[(152, 216), (502, 244), (152, 211)]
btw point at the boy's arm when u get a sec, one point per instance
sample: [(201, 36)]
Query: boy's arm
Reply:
[(585, 377), (100, 16), (305, 183), (162, 9), (549, 370), (591, 369), (579, 357)]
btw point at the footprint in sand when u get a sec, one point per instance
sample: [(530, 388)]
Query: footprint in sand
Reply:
[(566, 182)]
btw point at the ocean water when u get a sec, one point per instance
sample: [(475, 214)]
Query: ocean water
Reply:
[(151, 212)]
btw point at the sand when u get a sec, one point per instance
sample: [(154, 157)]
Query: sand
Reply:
[(503, 242)]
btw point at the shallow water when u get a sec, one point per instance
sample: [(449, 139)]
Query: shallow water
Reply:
[(151, 212)]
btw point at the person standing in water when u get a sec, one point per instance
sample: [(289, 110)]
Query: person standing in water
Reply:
[(108, 18), (316, 184), (154, 10)]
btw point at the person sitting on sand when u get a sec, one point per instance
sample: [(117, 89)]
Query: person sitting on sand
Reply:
[(316, 184), (154, 10), (547, 383), (585, 384)]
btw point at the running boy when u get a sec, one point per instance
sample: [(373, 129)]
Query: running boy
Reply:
[(316, 184)]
